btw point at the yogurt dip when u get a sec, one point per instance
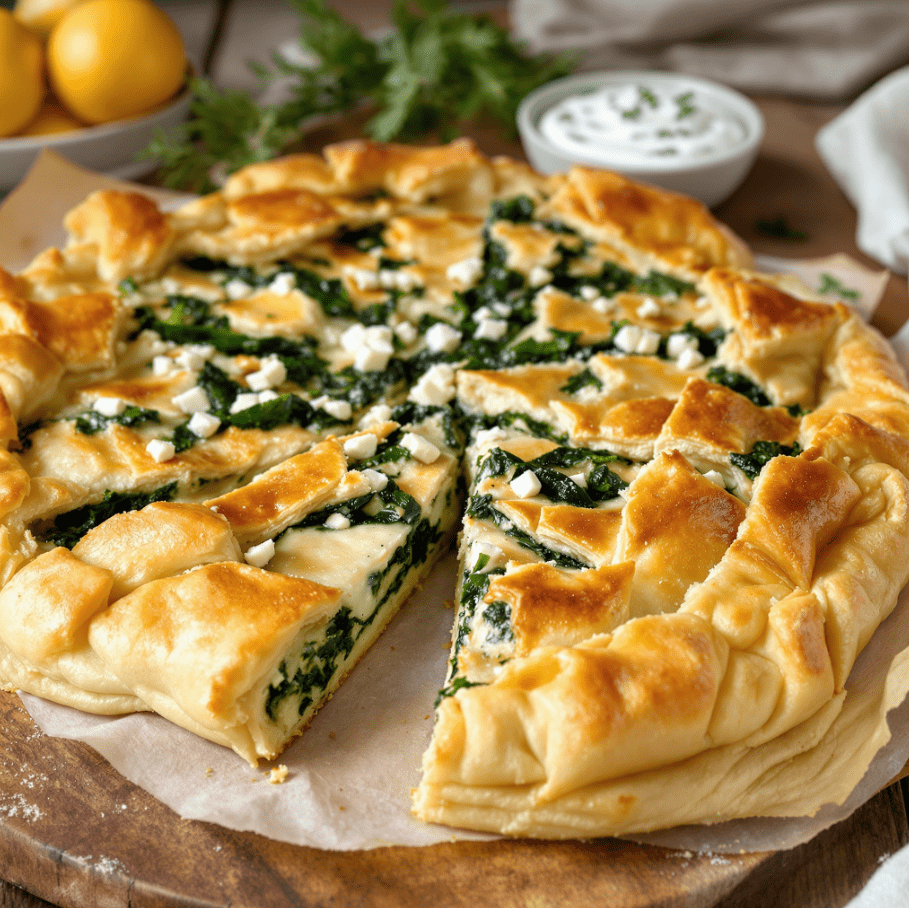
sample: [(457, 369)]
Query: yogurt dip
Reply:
[(635, 120)]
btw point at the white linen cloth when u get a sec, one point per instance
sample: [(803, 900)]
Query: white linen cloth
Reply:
[(827, 49), (866, 148)]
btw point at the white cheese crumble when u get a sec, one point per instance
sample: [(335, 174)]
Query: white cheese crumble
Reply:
[(340, 409), (539, 276), (715, 477), (237, 289), (490, 329), (377, 413), (203, 424), (361, 446), (649, 342), (466, 272), (422, 450), (406, 332), (650, 308), (526, 485), (337, 521), (678, 343), (627, 338), (363, 278), (603, 304), (271, 373), (192, 400), (589, 292), (368, 359), (162, 365), (442, 338), (161, 450), (376, 478), (259, 555), (690, 359), (109, 406), (244, 402), (283, 283), (435, 386)]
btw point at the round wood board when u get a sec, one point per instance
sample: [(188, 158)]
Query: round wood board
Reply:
[(75, 832)]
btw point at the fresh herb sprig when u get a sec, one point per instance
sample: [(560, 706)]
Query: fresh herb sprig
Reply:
[(434, 71)]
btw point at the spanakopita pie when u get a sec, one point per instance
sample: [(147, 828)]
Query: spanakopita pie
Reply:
[(237, 435)]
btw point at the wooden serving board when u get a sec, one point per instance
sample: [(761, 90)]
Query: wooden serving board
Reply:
[(75, 832)]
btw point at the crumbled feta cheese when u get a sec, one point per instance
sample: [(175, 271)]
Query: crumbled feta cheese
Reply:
[(244, 402), (109, 406), (649, 308), (368, 359), (485, 548), (267, 395), (192, 400), (501, 309), (190, 359), (376, 478), (380, 338), (237, 289), (702, 302), (271, 373), (377, 413), (715, 477), (678, 343), (466, 272), (352, 339), (283, 283), (361, 446), (627, 338), (690, 359), (406, 333), (337, 521), (649, 342), (442, 338), (539, 276), (579, 479), (526, 485), (340, 409), (162, 365), (603, 304), (435, 387), (422, 449), (490, 329), (363, 278), (589, 292), (395, 279), (203, 424), (161, 450), (259, 555)]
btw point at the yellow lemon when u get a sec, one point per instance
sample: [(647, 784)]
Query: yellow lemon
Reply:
[(51, 119), (21, 74), (113, 59), (42, 15)]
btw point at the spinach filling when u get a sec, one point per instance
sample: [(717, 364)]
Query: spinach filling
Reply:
[(602, 484), (69, 528), (761, 454)]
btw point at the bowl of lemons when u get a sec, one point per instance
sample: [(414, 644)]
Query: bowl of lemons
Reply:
[(93, 80)]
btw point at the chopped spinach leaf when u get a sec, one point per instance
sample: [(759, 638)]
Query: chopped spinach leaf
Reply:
[(739, 383), (761, 454), (583, 379), (70, 527), (91, 421)]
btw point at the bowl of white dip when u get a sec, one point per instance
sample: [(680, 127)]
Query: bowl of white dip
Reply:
[(682, 133)]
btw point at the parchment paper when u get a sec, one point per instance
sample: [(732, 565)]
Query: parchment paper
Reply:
[(350, 773)]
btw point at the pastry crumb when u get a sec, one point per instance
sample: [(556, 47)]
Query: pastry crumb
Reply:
[(278, 774)]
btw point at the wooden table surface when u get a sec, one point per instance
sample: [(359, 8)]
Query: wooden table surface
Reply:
[(80, 791)]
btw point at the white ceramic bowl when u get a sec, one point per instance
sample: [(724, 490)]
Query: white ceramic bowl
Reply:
[(109, 148), (710, 177)]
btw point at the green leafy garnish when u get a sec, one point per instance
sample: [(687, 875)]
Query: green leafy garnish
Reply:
[(830, 284), (434, 71), (778, 228)]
